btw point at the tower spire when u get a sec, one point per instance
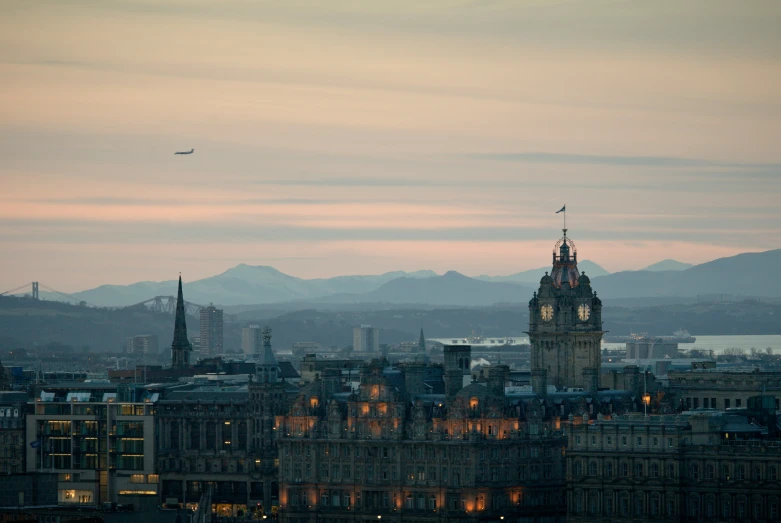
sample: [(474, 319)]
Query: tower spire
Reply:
[(180, 347)]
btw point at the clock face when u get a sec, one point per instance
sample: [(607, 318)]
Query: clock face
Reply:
[(584, 312), (546, 311)]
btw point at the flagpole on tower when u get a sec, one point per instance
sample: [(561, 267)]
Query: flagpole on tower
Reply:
[(564, 210)]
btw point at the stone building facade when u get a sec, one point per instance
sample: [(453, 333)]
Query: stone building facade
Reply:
[(224, 437), (383, 452), (12, 441), (702, 467), (565, 326)]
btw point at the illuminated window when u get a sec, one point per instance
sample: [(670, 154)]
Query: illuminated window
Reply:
[(137, 478), (152, 478)]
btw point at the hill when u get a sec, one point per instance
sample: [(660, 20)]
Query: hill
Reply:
[(533, 276), (743, 275), (241, 285), (452, 289), (668, 265)]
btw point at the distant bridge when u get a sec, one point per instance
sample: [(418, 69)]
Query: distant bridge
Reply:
[(34, 286), (167, 304), (164, 304)]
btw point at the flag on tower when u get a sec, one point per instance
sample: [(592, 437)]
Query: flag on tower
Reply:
[(562, 209)]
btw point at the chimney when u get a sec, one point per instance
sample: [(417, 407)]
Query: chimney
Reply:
[(497, 377), (540, 381), (331, 382), (454, 381), (414, 378)]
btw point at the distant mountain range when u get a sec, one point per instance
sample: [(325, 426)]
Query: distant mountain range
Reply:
[(746, 275), (532, 277), (668, 265)]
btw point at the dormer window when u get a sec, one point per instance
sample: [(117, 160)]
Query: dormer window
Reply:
[(313, 402), (473, 403)]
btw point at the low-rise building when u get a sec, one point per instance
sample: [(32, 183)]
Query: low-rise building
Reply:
[(709, 466), (720, 389)]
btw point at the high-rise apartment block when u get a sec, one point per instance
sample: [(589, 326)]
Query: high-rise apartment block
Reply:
[(366, 339), (211, 331), (251, 341), (141, 345)]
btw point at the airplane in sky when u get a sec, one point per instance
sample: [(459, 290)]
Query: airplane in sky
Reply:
[(185, 152)]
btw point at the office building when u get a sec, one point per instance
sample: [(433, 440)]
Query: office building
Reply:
[(103, 451)]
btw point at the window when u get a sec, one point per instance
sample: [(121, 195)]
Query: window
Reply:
[(624, 507), (432, 503), (773, 473), (639, 470), (624, 470), (152, 478), (655, 442), (639, 505), (670, 470), (695, 472), (578, 469), (609, 505), (610, 440), (654, 506), (738, 403), (757, 474), (593, 440), (623, 441), (592, 468), (725, 508), (669, 442), (136, 478), (741, 472), (655, 470), (726, 403), (609, 470), (639, 441), (694, 507), (725, 472)]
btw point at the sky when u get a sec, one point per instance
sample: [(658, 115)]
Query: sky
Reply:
[(349, 137)]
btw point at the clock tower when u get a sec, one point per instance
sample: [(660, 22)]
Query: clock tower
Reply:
[(565, 326)]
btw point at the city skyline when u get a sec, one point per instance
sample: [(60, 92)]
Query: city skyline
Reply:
[(343, 140)]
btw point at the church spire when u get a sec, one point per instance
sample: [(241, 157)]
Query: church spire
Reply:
[(180, 347)]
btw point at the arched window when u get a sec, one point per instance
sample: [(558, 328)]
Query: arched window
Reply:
[(592, 468), (609, 469), (577, 469)]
